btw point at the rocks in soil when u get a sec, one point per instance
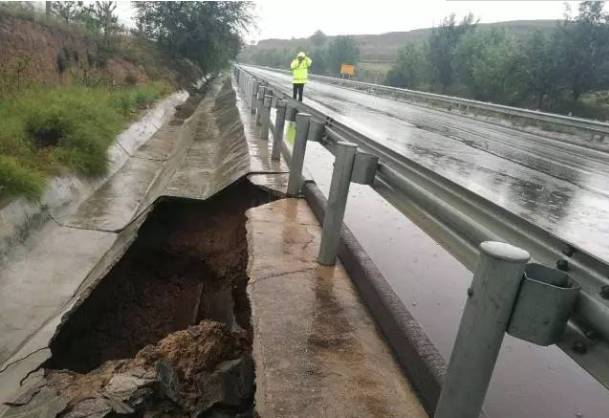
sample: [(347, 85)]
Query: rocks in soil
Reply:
[(204, 370)]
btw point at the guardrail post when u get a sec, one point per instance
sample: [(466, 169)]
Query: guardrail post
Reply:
[(260, 104), (266, 117), (254, 96), (279, 126), (316, 130), (491, 299), (337, 202), (291, 113), (298, 154)]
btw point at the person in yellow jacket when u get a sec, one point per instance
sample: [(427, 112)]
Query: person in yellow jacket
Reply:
[(300, 74)]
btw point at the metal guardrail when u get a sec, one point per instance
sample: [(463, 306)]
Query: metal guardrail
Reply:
[(591, 133), (471, 220)]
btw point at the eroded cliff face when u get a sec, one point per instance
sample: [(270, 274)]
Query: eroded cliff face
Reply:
[(35, 53)]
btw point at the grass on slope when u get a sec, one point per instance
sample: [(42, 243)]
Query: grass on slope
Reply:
[(49, 131)]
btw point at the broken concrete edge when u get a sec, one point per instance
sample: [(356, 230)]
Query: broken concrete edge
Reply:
[(19, 216), (41, 337), (23, 360), (209, 352), (33, 351), (125, 236), (412, 348)]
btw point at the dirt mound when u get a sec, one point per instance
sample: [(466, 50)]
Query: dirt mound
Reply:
[(192, 371)]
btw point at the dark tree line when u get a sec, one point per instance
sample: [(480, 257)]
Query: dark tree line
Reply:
[(548, 70), (327, 54)]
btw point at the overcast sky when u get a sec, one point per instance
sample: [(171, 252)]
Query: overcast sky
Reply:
[(300, 18), (287, 19)]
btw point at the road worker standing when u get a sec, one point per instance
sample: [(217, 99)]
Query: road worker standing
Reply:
[(300, 72)]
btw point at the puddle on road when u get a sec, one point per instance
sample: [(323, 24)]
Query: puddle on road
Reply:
[(185, 271)]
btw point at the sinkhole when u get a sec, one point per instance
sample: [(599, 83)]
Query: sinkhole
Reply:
[(187, 264)]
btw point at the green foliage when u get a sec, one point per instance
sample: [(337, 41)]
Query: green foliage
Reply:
[(17, 180), (209, 33), (319, 57), (411, 69), (584, 49), (67, 10), (341, 50), (44, 131), (486, 62), (318, 39), (559, 70), (442, 45), (538, 67)]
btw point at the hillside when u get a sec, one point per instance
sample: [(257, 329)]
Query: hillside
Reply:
[(66, 92), (382, 48), (36, 52)]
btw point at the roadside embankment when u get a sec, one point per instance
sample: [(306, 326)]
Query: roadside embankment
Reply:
[(187, 285)]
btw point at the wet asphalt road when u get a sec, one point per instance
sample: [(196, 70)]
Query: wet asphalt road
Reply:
[(561, 187)]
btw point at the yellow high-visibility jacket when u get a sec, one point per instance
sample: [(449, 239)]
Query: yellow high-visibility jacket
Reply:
[(300, 70)]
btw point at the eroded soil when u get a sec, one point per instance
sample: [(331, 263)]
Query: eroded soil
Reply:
[(168, 327)]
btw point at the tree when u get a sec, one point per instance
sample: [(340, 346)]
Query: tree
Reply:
[(538, 67), (67, 10), (318, 39), (209, 33), (319, 57), (486, 62), (102, 15), (341, 50), (584, 49), (442, 44), (410, 67)]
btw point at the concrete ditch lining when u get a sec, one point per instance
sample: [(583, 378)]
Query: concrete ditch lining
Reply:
[(31, 351), (69, 266), (19, 217)]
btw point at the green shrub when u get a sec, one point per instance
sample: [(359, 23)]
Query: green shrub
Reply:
[(124, 103), (45, 131), (16, 180)]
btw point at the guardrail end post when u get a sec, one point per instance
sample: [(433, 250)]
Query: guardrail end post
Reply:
[(337, 202), (279, 126), (298, 154), (491, 299)]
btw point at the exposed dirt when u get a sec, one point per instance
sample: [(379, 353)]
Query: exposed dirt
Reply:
[(40, 53), (175, 375), (167, 332), (187, 264)]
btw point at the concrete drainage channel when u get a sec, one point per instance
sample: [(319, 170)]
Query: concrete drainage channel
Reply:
[(167, 331)]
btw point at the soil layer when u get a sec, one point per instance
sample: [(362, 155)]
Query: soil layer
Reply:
[(187, 264)]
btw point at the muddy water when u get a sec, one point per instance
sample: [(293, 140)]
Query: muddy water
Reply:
[(187, 264)]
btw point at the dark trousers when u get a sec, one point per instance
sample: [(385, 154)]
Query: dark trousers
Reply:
[(297, 88)]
